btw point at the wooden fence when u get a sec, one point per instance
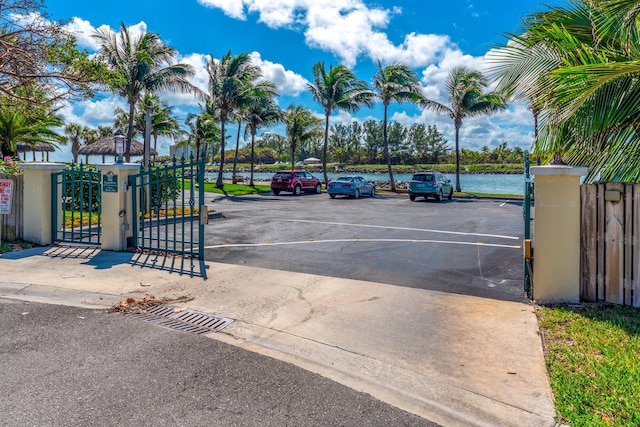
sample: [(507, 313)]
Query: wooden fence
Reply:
[(610, 243), (11, 225)]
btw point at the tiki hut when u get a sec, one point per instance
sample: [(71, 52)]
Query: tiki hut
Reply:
[(106, 147), (42, 147)]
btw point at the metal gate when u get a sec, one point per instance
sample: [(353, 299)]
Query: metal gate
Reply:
[(76, 205), (526, 212), (168, 204)]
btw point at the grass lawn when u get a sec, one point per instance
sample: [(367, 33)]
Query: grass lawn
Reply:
[(592, 353), (232, 189)]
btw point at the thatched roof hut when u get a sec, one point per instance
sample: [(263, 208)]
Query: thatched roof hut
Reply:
[(42, 147), (106, 147)]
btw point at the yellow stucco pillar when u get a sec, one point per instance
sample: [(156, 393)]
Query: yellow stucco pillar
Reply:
[(116, 216), (556, 236), (37, 201)]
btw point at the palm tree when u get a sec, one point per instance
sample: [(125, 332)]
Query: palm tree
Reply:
[(398, 83), (202, 129), (163, 123), (228, 85), (301, 126), (579, 65), (16, 126), (142, 64), (262, 112), (338, 89), (466, 94), (75, 133)]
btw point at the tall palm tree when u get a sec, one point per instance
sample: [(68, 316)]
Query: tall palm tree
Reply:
[(398, 83), (228, 86), (580, 65), (142, 64), (301, 126), (466, 95), (262, 112), (16, 126), (338, 89)]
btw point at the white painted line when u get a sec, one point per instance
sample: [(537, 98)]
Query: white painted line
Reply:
[(387, 227), (308, 242)]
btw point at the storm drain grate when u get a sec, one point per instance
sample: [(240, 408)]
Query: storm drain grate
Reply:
[(185, 320)]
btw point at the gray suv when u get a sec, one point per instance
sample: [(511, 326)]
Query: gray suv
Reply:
[(430, 184)]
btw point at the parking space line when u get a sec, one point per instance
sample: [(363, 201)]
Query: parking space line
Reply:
[(307, 242), (387, 227)]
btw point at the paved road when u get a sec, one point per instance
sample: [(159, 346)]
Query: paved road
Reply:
[(464, 246), (64, 366)]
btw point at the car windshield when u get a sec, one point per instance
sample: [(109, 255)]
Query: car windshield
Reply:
[(423, 177), (343, 178)]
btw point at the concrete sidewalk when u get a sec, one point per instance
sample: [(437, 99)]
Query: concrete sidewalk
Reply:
[(452, 359)]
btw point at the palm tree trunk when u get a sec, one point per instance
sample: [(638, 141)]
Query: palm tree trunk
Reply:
[(235, 158), (127, 151), (253, 138), (155, 146), (325, 148), (386, 151), (219, 183), (458, 158)]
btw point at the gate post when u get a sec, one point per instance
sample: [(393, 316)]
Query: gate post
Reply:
[(117, 215), (556, 267), (37, 201)]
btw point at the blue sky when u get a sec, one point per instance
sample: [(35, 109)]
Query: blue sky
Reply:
[(287, 37)]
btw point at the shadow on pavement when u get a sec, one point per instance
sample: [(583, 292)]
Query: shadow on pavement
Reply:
[(173, 264), (102, 260)]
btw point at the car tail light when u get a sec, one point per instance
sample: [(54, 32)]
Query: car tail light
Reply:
[(329, 184), (434, 185), (347, 185)]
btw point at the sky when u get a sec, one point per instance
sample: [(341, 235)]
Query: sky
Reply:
[(287, 37)]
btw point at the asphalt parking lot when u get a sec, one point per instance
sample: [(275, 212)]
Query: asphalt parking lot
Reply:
[(464, 246)]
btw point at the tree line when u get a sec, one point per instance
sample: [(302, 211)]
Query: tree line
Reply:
[(574, 65)]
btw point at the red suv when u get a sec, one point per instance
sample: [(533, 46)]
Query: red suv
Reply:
[(295, 181)]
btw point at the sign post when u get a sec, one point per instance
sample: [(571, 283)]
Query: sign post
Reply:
[(6, 194)]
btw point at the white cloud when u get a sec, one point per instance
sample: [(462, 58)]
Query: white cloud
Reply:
[(347, 28), (84, 32), (288, 82), (232, 8)]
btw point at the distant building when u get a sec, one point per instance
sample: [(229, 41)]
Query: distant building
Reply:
[(185, 151)]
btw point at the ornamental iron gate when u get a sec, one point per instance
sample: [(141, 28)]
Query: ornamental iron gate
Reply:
[(76, 205), (167, 202)]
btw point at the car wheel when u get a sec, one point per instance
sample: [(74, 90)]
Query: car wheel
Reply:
[(318, 189), (333, 196), (412, 198), (373, 192), (276, 192), (297, 190), (450, 196), (438, 196), (356, 194)]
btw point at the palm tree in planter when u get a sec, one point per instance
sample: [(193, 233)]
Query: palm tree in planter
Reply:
[(141, 64), (337, 89), (398, 83), (466, 94)]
